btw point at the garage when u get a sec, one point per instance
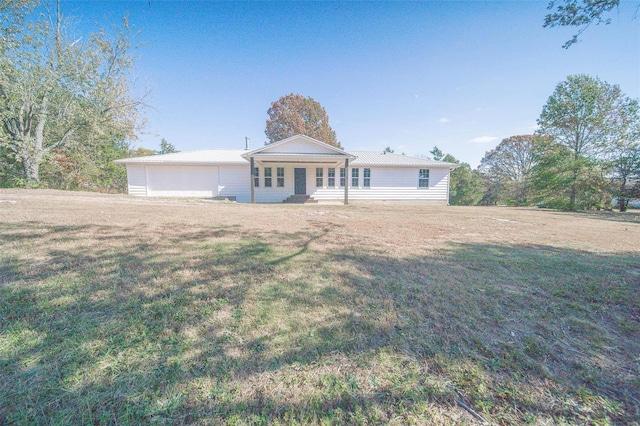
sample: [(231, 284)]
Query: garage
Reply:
[(182, 181), (189, 174)]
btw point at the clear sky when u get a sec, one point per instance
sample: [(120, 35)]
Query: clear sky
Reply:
[(461, 75)]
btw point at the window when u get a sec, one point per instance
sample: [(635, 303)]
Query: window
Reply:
[(423, 178), (355, 174), (256, 177), (366, 178), (332, 177), (319, 177), (342, 176), (280, 177), (267, 177)]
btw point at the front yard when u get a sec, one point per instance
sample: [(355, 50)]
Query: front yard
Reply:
[(117, 310)]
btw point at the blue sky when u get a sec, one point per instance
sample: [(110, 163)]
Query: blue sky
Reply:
[(461, 75)]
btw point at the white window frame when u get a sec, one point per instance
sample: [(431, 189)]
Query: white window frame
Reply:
[(423, 178), (319, 177), (331, 177), (267, 177), (280, 177)]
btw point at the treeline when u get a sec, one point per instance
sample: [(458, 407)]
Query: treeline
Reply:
[(585, 155), (87, 168), (67, 108)]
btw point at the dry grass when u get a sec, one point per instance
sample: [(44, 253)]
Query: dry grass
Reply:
[(134, 311)]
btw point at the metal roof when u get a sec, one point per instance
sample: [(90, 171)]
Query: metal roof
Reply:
[(207, 156), (234, 156), (380, 158), (300, 155)]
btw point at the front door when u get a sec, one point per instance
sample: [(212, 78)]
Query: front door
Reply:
[(300, 181)]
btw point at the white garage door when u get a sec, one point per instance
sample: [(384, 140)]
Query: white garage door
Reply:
[(182, 181)]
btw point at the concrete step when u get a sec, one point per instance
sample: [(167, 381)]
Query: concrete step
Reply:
[(300, 199)]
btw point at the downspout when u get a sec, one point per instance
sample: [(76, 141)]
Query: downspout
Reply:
[(448, 186), (253, 190), (346, 182)]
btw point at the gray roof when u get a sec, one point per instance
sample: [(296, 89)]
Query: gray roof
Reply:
[(380, 158), (234, 156), (300, 155), (206, 156)]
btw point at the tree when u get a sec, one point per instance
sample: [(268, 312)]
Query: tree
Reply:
[(622, 157), (557, 175), (494, 190), (584, 116), (10, 172), (578, 13), (58, 94), (166, 147), (465, 185), (437, 153), (506, 169), (141, 152), (389, 150), (294, 114), (87, 167), (624, 166)]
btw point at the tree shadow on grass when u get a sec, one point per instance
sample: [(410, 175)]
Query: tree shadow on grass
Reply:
[(117, 326)]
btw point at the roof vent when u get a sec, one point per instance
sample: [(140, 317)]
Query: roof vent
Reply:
[(246, 143)]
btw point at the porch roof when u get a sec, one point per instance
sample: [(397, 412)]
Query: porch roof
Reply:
[(298, 148), (298, 157)]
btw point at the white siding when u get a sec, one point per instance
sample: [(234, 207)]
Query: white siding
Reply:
[(182, 181), (275, 194), (390, 184), (136, 180), (387, 183), (234, 182)]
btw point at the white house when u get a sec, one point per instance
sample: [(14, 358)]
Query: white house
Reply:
[(294, 169)]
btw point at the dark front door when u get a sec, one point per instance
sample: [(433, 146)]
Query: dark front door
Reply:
[(300, 181)]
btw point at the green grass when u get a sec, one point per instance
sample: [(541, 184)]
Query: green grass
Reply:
[(111, 325)]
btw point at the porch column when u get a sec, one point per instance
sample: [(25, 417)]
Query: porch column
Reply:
[(253, 191), (346, 181)]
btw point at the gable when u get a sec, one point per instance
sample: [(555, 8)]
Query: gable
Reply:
[(299, 144)]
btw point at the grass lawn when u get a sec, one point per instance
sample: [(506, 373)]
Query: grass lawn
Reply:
[(117, 310)]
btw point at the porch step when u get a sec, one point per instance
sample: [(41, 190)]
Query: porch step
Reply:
[(300, 199)]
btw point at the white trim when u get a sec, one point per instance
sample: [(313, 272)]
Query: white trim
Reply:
[(288, 140)]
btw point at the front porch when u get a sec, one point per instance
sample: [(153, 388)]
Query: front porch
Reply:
[(295, 182), (294, 168)]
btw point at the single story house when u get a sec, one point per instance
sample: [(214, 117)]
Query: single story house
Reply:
[(294, 169)]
